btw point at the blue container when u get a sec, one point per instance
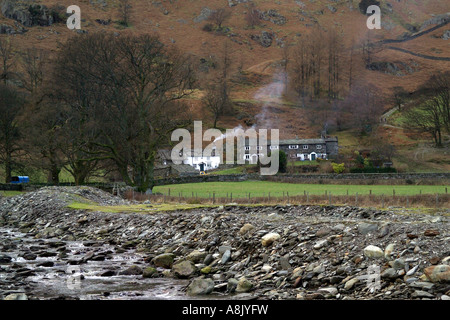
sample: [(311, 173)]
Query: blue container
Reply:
[(20, 179)]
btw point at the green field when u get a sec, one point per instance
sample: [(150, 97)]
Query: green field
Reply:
[(276, 189)]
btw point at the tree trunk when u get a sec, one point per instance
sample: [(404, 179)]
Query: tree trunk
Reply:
[(8, 169), (53, 176)]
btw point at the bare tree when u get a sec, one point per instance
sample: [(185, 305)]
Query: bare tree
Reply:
[(216, 101), (33, 61), (6, 58), (133, 100), (399, 96), (361, 109), (335, 50), (219, 16), (11, 106), (125, 12), (46, 138), (433, 113)]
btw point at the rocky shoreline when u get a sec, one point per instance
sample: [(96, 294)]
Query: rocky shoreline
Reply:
[(233, 252)]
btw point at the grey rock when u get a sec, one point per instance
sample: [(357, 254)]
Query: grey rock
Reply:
[(196, 256), (132, 271), (184, 269), (390, 274), (232, 285), (446, 35), (398, 264), (208, 259), (421, 294), (224, 248), (244, 285), (373, 252), (366, 228), (16, 296), (164, 260), (204, 14), (284, 263), (422, 285), (200, 287), (226, 256)]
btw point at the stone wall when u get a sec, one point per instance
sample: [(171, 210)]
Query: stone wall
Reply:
[(11, 187)]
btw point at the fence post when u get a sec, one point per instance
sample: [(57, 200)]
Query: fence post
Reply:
[(249, 197), (288, 196), (214, 197), (231, 197), (169, 192), (307, 197)]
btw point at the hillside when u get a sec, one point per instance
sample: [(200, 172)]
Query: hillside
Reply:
[(180, 23)]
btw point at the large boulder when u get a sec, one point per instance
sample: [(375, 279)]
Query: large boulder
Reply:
[(269, 238), (164, 260), (197, 256), (439, 273), (184, 269), (200, 287), (373, 252), (244, 285)]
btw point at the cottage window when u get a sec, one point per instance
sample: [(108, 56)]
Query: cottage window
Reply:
[(305, 147), (273, 147), (293, 146), (247, 157), (319, 146), (247, 148)]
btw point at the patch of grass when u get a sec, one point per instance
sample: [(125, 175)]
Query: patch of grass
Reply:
[(235, 170), (137, 208), (10, 193), (302, 163)]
